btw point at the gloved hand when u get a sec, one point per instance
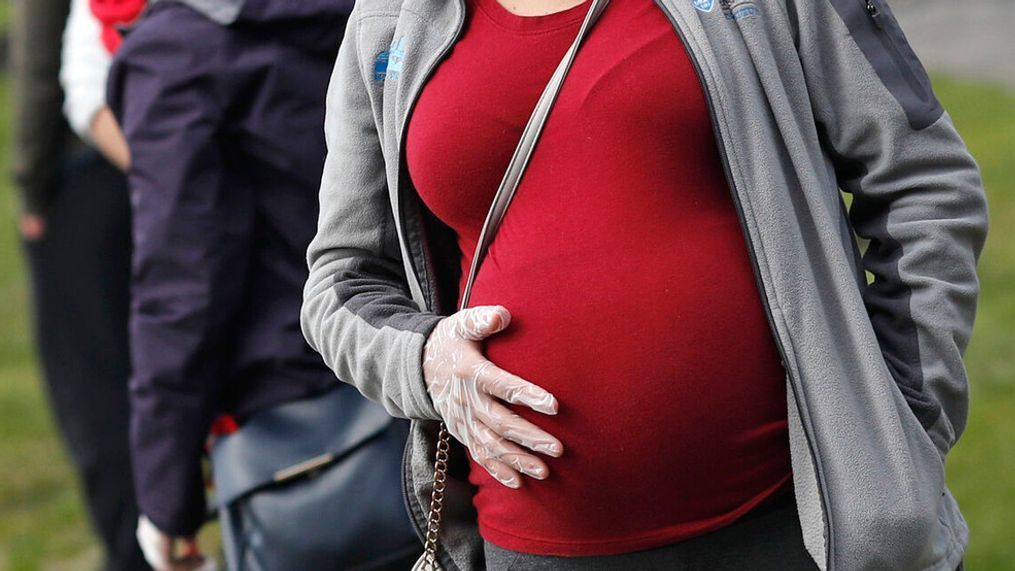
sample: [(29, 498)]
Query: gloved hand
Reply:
[(166, 553), (465, 387)]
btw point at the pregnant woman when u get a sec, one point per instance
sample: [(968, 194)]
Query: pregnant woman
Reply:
[(619, 382)]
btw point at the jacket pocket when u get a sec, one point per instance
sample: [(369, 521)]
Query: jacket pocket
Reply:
[(880, 38)]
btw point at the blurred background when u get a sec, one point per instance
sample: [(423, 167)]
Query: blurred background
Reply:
[(969, 49)]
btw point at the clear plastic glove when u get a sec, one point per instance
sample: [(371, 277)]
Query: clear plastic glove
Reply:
[(166, 553), (466, 389)]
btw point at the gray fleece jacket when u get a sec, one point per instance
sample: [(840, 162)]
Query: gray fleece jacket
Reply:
[(807, 98)]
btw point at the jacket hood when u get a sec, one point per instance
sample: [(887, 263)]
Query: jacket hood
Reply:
[(228, 12), (277, 11), (314, 25)]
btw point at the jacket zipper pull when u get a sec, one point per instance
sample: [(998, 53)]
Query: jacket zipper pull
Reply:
[(726, 7), (873, 11)]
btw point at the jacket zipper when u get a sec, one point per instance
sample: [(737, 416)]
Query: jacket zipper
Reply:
[(874, 14), (402, 170), (872, 10), (420, 527), (727, 171)]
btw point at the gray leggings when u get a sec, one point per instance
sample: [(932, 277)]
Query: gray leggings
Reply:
[(767, 537)]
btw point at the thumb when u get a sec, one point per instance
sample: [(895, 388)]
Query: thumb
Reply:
[(476, 323)]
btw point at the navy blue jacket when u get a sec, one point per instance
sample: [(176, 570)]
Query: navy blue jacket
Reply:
[(223, 111)]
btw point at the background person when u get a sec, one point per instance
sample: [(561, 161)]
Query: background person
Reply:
[(88, 45), (75, 223), (222, 106)]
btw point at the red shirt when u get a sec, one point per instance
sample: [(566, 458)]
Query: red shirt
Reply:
[(624, 266)]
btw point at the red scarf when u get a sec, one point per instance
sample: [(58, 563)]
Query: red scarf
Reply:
[(113, 13)]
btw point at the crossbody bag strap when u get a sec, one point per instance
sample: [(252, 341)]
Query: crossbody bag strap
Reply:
[(523, 152), (501, 201)]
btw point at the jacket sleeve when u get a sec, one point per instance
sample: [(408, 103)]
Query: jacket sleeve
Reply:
[(917, 197), (357, 310), (190, 250), (37, 124), (84, 68)]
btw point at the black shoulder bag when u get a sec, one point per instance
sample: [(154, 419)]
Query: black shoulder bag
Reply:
[(315, 484)]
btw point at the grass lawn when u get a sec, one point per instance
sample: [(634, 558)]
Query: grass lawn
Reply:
[(42, 525), (981, 468)]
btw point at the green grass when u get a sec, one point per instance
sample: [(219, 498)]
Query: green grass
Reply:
[(981, 468), (42, 525)]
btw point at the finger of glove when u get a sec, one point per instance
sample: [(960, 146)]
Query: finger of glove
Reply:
[(476, 323), (501, 472), (511, 388), (511, 426), (489, 445)]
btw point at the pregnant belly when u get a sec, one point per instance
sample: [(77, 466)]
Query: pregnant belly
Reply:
[(672, 395)]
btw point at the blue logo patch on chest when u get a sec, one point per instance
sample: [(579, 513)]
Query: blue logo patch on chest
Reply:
[(704, 5), (388, 64), (381, 66)]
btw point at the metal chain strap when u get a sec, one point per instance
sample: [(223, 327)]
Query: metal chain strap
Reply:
[(433, 523)]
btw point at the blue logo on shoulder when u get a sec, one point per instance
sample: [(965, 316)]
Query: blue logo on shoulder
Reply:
[(743, 12), (388, 64), (396, 55), (704, 5), (381, 66)]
